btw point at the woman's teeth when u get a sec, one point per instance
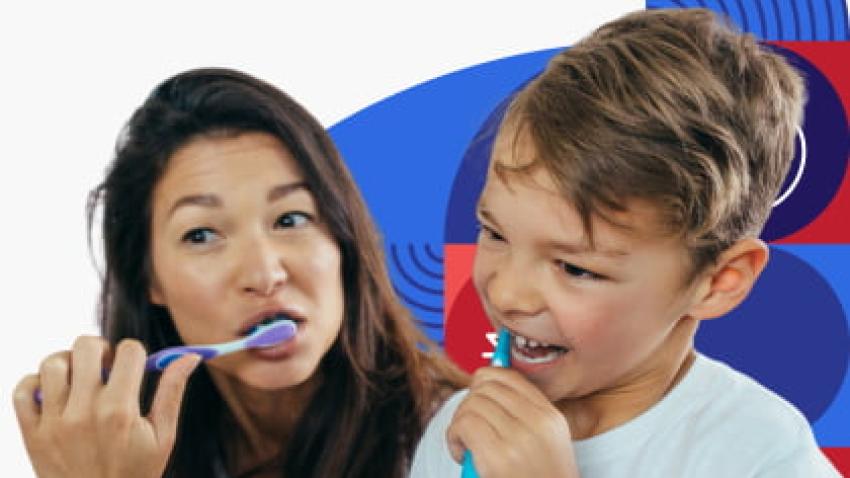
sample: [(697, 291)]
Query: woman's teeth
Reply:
[(531, 351), (268, 320), (273, 318)]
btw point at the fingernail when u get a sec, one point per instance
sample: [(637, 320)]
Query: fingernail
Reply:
[(190, 364)]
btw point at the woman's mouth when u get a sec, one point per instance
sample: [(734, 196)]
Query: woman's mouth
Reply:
[(278, 351), (534, 352), (267, 319)]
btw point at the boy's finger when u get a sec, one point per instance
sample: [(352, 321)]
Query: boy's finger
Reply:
[(502, 421), (469, 421), (165, 409), (26, 409), (479, 438), (513, 380), (54, 377)]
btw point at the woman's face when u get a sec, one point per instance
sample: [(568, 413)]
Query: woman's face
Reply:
[(236, 237)]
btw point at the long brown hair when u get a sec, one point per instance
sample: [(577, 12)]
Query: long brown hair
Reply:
[(381, 377)]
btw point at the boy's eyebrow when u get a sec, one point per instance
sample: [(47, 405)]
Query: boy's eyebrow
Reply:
[(565, 247), (584, 248), (213, 201), (485, 214)]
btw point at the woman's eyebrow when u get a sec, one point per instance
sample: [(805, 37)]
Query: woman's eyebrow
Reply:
[(282, 190), (204, 200), (213, 201)]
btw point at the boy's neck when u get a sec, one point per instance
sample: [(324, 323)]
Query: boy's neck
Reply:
[(606, 409)]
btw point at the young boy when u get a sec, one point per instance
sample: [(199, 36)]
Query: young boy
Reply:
[(627, 188)]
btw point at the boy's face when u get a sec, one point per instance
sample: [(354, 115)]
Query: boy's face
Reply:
[(614, 317)]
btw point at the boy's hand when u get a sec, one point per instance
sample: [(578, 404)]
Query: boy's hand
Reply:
[(85, 428), (511, 429)]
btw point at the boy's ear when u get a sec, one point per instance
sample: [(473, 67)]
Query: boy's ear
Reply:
[(729, 281)]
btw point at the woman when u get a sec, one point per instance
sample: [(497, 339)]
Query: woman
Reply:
[(227, 204)]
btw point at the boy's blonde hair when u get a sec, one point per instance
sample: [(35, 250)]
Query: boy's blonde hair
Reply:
[(673, 107)]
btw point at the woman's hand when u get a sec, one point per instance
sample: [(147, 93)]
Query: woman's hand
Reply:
[(85, 428), (511, 429)]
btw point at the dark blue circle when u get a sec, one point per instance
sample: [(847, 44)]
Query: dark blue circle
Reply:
[(827, 139), (790, 334)]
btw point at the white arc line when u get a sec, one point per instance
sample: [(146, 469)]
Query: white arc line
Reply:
[(800, 169)]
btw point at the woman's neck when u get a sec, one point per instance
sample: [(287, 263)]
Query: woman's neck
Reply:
[(264, 420)]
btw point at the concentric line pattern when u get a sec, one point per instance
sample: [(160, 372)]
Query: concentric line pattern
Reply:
[(777, 20), (417, 275)]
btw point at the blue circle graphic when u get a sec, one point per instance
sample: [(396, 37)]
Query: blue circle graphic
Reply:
[(782, 20), (790, 334)]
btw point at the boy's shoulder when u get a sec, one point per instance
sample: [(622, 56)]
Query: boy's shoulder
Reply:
[(432, 457), (715, 422), (720, 414), (715, 395)]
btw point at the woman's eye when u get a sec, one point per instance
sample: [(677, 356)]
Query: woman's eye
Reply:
[(200, 235), (292, 219), (578, 272)]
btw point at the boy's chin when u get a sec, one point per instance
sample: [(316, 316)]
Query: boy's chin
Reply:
[(549, 382)]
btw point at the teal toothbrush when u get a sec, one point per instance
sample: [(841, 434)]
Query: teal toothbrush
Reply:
[(501, 358)]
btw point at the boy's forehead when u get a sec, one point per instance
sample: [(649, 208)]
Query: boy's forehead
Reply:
[(513, 145), (533, 194)]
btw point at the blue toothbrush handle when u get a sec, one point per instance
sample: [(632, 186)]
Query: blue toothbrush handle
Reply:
[(261, 336), (468, 470), (159, 360), (501, 358)]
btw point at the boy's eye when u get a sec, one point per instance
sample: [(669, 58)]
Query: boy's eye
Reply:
[(292, 219), (490, 233), (578, 272), (199, 235)]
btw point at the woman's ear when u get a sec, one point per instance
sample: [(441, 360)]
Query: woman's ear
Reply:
[(155, 293), (726, 284)]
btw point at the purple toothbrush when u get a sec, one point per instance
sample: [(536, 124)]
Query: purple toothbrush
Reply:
[(265, 335)]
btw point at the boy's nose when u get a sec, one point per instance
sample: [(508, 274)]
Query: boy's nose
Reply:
[(513, 291), (262, 270)]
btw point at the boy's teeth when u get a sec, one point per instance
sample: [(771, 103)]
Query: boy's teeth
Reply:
[(531, 351), (526, 342), (517, 354)]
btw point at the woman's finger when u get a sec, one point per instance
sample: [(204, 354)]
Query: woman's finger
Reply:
[(54, 374), (165, 409), (125, 378), (87, 365), (26, 409)]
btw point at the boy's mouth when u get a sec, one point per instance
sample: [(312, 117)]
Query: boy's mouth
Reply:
[(534, 352)]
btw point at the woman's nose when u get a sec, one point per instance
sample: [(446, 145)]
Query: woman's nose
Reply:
[(262, 269)]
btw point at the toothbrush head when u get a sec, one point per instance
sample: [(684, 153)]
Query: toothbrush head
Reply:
[(269, 335), (502, 354)]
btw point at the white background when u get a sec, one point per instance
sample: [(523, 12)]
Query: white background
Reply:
[(73, 72)]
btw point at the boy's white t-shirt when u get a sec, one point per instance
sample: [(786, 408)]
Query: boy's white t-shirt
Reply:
[(716, 423)]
